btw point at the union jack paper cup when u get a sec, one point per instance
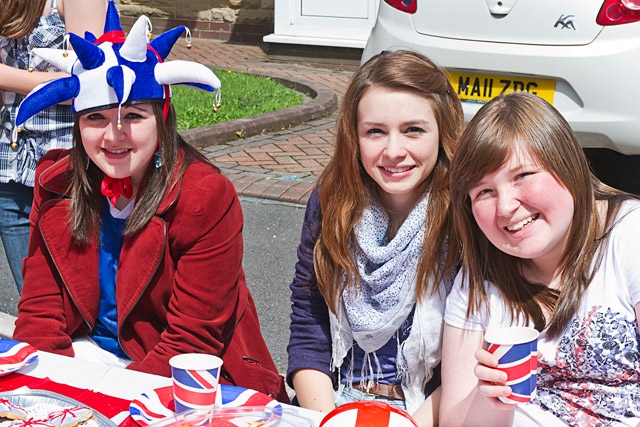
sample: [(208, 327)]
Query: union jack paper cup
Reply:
[(195, 380), (517, 351)]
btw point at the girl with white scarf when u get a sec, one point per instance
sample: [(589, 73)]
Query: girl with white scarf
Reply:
[(375, 258)]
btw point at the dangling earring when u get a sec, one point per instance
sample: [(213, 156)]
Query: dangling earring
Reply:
[(88, 162), (158, 158)]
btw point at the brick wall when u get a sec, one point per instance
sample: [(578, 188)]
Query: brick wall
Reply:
[(244, 21)]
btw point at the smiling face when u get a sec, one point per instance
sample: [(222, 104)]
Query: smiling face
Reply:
[(524, 211), (121, 153), (399, 141)]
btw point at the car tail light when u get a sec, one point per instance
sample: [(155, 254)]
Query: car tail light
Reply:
[(632, 4), (614, 12), (409, 6)]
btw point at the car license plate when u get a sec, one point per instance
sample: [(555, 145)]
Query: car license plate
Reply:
[(481, 88)]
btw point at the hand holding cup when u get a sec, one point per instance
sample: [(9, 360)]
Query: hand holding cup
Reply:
[(517, 353)]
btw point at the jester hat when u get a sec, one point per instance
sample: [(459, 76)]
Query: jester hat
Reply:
[(113, 70)]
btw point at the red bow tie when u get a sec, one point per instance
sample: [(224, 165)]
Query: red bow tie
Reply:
[(113, 188)]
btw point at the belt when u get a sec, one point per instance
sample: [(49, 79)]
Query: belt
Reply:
[(390, 391)]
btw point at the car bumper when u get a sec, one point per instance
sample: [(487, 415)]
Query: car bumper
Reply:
[(596, 84)]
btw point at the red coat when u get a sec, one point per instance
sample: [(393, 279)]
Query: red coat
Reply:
[(180, 283)]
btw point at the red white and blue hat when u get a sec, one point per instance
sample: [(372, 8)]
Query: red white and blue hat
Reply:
[(114, 69)]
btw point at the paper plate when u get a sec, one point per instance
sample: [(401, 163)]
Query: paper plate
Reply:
[(157, 404), (15, 355), (39, 404)]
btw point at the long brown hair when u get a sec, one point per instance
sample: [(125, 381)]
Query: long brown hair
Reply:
[(19, 17), (86, 199), (344, 185), (507, 125)]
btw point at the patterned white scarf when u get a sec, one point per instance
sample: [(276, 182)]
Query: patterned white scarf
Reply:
[(372, 315)]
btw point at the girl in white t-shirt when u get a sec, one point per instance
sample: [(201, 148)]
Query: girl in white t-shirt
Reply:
[(545, 244)]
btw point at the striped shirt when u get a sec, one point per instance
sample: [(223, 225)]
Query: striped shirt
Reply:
[(46, 130)]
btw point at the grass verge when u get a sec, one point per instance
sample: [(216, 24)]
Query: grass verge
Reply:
[(243, 95)]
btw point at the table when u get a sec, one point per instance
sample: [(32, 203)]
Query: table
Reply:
[(107, 389)]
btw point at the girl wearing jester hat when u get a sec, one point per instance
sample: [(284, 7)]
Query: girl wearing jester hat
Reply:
[(135, 253), (25, 25)]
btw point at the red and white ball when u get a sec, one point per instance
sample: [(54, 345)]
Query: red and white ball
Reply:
[(368, 414)]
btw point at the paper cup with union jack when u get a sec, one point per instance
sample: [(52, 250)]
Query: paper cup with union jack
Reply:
[(195, 380), (517, 351)]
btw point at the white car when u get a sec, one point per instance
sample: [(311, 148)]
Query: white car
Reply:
[(583, 56)]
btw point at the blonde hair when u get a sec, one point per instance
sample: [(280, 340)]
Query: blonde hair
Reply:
[(522, 122), (344, 185), (18, 18)]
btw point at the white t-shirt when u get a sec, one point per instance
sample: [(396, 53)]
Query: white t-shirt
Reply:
[(590, 376)]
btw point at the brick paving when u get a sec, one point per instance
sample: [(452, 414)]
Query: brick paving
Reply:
[(283, 164)]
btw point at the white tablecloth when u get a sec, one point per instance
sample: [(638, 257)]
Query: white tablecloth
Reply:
[(117, 382)]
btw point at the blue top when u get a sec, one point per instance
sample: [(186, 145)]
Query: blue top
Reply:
[(310, 338), (386, 356), (105, 332), (49, 129)]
